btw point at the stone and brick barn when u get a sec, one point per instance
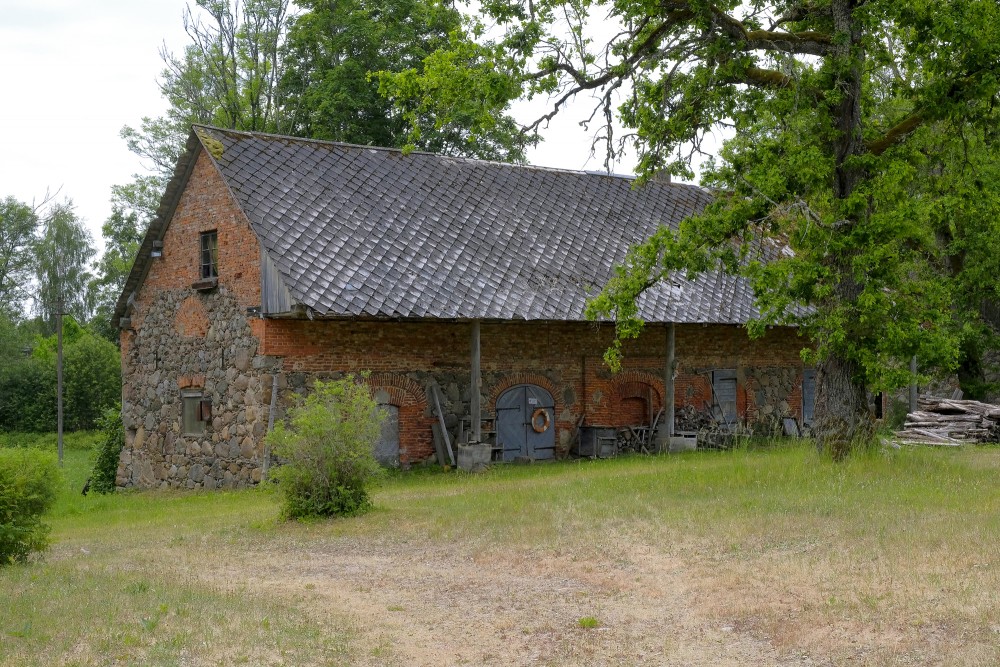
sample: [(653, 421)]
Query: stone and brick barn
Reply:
[(275, 260)]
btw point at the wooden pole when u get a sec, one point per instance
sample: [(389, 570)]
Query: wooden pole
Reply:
[(668, 381), (475, 387), (913, 383), (59, 378), (270, 427)]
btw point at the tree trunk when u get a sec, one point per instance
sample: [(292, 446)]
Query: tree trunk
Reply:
[(843, 417), (971, 374)]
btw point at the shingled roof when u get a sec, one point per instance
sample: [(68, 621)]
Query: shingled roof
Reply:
[(371, 232)]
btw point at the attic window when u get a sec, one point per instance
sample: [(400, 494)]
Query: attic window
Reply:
[(209, 255)]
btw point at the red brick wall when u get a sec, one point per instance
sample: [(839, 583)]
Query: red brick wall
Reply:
[(205, 205), (563, 357)]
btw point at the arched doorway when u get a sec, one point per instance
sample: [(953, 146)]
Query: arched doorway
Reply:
[(526, 423), (387, 447)]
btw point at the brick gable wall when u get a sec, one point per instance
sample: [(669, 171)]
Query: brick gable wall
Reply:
[(202, 342)]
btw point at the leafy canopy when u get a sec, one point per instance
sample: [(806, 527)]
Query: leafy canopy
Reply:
[(836, 110)]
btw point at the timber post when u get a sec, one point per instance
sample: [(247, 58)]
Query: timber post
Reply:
[(668, 381), (475, 409)]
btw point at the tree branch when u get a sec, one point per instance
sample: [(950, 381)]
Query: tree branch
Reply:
[(896, 134)]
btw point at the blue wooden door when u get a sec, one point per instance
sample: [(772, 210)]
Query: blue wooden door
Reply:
[(387, 447), (526, 423)]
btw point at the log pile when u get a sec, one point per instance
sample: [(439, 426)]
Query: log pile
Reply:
[(951, 422)]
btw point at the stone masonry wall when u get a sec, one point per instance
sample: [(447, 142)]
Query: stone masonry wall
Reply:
[(218, 356), (183, 339)]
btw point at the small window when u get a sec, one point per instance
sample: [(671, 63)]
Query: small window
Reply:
[(210, 255), (724, 388), (196, 411)]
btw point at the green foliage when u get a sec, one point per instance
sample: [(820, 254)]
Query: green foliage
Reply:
[(62, 255), (102, 479), (92, 372), (133, 207), (865, 142), (29, 480), (329, 89), (27, 395), (91, 382), (81, 441), (327, 451), (18, 224)]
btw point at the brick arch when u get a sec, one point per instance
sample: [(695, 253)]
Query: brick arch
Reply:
[(403, 391), (630, 397), (415, 440), (515, 379), (634, 384)]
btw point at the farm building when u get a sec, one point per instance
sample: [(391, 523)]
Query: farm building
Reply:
[(454, 282)]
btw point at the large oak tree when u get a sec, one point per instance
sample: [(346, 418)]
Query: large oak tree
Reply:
[(834, 106)]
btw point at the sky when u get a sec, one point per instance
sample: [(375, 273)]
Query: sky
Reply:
[(73, 73)]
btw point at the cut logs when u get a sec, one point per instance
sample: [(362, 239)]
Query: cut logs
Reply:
[(951, 422)]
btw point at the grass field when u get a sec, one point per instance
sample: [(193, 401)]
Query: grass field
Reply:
[(769, 556)]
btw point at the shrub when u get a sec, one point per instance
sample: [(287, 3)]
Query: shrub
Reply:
[(327, 451), (28, 482), (91, 372), (102, 479)]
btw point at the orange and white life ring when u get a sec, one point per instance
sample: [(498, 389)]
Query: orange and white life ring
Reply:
[(543, 425)]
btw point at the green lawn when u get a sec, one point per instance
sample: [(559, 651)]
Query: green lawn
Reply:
[(901, 542)]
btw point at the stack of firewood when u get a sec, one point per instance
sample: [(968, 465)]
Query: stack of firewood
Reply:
[(946, 421)]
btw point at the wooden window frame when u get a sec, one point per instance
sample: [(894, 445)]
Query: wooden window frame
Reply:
[(196, 412), (720, 375), (208, 255)]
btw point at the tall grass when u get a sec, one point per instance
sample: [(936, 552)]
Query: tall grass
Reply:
[(905, 540)]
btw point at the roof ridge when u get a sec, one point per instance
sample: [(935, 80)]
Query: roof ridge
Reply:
[(399, 151)]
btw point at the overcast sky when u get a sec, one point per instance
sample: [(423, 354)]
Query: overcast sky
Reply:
[(72, 73)]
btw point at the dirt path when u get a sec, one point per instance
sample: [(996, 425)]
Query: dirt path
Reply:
[(423, 604)]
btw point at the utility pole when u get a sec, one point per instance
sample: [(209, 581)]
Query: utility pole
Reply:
[(59, 375)]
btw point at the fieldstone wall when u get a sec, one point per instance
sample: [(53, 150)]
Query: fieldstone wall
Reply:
[(776, 392), (196, 341)]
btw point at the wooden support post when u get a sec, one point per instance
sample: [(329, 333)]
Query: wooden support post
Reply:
[(270, 427), (668, 381), (444, 428), (476, 386), (913, 383)]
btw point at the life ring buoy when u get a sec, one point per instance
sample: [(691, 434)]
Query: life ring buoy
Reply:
[(545, 422)]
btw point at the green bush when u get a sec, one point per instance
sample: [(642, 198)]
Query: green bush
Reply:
[(91, 374), (28, 483), (327, 451), (102, 479)]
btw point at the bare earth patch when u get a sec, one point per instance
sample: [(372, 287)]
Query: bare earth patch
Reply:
[(415, 602), (423, 604)]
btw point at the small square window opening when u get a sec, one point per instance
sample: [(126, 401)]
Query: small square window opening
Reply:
[(210, 254), (192, 413)]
